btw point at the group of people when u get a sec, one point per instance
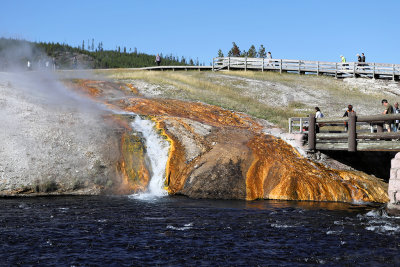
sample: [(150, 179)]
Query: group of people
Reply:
[(43, 64), (359, 58), (390, 126)]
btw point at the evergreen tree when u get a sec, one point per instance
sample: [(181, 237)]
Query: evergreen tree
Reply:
[(220, 54), (83, 44), (235, 51), (191, 63), (252, 51), (124, 49), (261, 52), (243, 54), (92, 44)]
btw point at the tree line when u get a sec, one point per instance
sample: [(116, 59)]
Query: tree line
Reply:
[(252, 52), (93, 56)]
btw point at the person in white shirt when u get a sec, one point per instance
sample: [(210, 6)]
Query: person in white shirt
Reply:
[(318, 114)]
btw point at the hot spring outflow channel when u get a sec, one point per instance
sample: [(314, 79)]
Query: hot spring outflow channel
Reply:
[(157, 151)]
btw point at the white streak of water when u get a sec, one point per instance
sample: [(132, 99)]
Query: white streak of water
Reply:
[(157, 151)]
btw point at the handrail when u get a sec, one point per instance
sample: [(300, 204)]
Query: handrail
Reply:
[(353, 136), (337, 69)]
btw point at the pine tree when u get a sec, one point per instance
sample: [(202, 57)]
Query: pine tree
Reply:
[(124, 49), (83, 44), (261, 52), (220, 54), (92, 44), (252, 51), (235, 51)]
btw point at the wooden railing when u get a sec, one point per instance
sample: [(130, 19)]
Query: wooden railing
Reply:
[(348, 69), (358, 136)]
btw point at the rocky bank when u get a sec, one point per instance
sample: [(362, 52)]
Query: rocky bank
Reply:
[(214, 153)]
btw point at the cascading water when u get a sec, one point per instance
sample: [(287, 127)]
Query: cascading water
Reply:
[(157, 151)]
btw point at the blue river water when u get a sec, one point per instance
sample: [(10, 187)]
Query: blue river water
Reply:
[(177, 231)]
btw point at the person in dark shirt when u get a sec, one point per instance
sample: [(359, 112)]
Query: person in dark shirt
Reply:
[(349, 111), (388, 125), (362, 57)]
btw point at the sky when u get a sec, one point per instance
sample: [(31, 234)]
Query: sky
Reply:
[(319, 30)]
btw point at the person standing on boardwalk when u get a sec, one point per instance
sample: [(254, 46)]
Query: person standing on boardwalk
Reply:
[(269, 57), (318, 114), (158, 60), (388, 110), (349, 111), (343, 60), (396, 111), (358, 58), (362, 57)]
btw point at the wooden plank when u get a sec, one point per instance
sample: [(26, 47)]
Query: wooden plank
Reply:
[(362, 146)]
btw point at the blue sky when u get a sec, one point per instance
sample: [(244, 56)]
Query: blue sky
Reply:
[(310, 30)]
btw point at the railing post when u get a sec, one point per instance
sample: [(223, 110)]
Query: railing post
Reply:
[(352, 142), (354, 70), (290, 125), (317, 68), (280, 71), (336, 70), (301, 125), (245, 64), (299, 67), (213, 64), (262, 67), (373, 72), (229, 63), (393, 71), (311, 132)]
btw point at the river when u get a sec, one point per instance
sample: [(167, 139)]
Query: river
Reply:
[(177, 231)]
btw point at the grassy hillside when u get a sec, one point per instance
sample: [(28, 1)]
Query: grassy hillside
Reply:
[(267, 95)]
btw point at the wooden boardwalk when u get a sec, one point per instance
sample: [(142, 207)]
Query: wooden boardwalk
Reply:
[(174, 68), (365, 133), (338, 70)]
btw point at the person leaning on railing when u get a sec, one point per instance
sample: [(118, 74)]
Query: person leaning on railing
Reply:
[(396, 111), (388, 125), (349, 111)]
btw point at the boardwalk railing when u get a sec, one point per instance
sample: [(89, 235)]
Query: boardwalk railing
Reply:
[(364, 133), (348, 69)]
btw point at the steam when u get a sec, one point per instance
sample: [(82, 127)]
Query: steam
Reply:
[(49, 134)]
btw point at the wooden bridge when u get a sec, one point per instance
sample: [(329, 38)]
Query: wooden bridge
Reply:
[(338, 70), (364, 133)]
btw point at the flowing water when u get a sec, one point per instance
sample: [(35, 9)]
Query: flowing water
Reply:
[(157, 152), (176, 231)]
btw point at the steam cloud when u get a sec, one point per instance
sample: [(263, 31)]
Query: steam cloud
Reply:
[(49, 135)]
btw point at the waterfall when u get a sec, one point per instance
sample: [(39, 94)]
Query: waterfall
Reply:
[(157, 150)]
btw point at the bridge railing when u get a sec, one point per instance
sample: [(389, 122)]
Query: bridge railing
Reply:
[(356, 138), (355, 69)]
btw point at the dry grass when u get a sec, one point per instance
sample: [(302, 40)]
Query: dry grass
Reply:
[(197, 86)]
